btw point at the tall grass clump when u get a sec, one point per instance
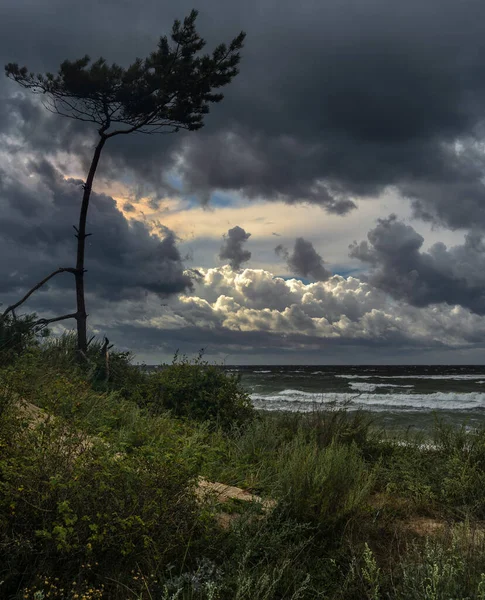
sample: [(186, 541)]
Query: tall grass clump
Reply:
[(17, 335), (117, 374), (321, 485), (270, 561), (451, 565), (339, 425), (462, 452), (250, 456), (444, 476)]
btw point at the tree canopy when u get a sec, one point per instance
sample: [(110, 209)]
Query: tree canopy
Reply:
[(169, 90)]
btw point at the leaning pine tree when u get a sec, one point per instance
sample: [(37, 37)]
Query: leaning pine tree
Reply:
[(167, 91)]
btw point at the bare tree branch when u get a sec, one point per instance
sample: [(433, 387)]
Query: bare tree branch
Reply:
[(55, 319), (12, 307)]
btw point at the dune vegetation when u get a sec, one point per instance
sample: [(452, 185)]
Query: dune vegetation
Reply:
[(168, 485)]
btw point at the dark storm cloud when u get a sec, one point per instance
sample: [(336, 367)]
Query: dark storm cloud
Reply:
[(334, 100), (304, 260), (399, 266), (235, 347), (232, 247), (272, 168), (219, 339), (124, 259)]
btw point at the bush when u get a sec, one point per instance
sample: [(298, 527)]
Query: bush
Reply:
[(446, 478), (200, 391), (462, 485), (270, 559), (322, 486), (450, 566), (76, 508), (122, 376), (16, 336), (250, 457)]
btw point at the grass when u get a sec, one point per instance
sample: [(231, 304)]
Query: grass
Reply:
[(98, 498)]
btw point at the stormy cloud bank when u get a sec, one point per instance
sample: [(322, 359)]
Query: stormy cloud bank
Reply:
[(124, 259), (398, 266), (372, 95)]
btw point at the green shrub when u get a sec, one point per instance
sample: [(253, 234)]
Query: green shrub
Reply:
[(250, 457), (322, 486), (445, 478), (77, 508), (68, 395), (262, 560), (462, 454), (106, 415), (450, 566), (242, 456), (200, 391), (121, 375), (16, 336), (339, 425), (270, 559)]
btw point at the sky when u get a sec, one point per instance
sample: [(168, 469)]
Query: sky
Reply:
[(331, 210)]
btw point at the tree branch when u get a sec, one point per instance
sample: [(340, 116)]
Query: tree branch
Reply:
[(12, 307), (56, 111), (55, 319)]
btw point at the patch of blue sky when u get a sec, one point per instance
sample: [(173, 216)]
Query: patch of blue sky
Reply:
[(190, 201), (175, 181), (217, 200), (220, 200), (342, 271)]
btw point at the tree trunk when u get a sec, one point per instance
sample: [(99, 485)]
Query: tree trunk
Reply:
[(81, 315)]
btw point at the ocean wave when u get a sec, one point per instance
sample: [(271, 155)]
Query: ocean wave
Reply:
[(299, 393), (371, 387), (304, 401), (455, 377)]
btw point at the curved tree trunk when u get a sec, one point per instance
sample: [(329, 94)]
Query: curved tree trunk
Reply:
[(81, 315)]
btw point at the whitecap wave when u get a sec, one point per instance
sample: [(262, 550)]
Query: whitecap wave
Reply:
[(371, 387), (456, 377), (355, 376), (299, 400), (300, 393)]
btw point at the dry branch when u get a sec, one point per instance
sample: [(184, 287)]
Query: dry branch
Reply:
[(12, 307), (55, 319)]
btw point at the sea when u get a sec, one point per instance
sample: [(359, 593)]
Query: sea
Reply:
[(395, 396)]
